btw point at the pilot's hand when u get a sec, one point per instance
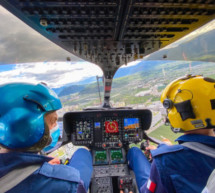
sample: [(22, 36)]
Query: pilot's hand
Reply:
[(151, 147), (125, 191), (54, 161), (167, 141), (148, 153)]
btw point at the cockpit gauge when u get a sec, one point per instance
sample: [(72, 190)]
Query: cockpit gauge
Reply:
[(131, 129), (111, 127), (111, 131), (100, 157), (83, 130), (116, 156)]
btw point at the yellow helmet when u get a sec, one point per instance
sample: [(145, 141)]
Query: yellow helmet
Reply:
[(190, 103)]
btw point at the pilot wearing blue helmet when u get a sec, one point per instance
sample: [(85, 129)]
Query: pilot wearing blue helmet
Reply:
[(27, 114)]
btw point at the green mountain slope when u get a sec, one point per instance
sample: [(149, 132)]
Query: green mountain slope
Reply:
[(126, 91)]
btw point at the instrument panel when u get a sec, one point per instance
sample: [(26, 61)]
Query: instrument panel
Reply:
[(108, 133), (106, 129)]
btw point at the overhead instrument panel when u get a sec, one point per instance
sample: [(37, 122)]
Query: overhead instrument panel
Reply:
[(110, 33), (106, 129)]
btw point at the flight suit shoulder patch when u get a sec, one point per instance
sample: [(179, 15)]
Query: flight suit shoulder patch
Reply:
[(62, 172)]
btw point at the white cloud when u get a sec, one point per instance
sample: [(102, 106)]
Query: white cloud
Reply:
[(55, 74)]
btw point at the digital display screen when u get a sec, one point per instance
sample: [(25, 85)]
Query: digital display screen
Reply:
[(83, 130), (111, 130), (131, 127), (111, 127), (116, 156), (97, 125), (101, 157), (131, 123)]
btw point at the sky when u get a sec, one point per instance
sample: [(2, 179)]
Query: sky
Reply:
[(55, 74), (27, 45)]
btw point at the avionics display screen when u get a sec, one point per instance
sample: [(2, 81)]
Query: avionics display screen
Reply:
[(116, 156), (111, 127), (97, 125), (111, 130), (131, 126), (83, 130), (101, 157), (131, 123)]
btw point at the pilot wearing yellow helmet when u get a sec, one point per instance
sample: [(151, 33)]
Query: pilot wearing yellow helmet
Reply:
[(186, 167)]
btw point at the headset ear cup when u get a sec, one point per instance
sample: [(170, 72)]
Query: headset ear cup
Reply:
[(167, 104)]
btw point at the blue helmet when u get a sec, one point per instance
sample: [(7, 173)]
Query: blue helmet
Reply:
[(22, 110)]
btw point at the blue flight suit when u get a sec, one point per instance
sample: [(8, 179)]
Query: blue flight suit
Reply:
[(74, 177), (174, 168)]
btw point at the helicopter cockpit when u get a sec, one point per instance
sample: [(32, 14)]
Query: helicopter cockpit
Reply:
[(111, 33)]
